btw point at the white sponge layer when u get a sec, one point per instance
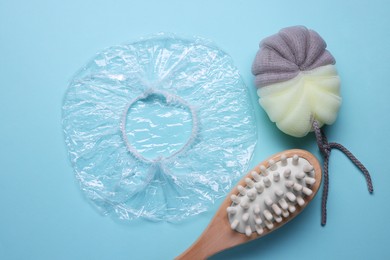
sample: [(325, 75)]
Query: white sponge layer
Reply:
[(295, 103)]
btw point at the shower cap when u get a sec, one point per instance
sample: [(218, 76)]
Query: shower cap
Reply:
[(297, 80), (159, 128)]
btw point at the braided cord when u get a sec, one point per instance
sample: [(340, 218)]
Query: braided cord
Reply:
[(325, 148)]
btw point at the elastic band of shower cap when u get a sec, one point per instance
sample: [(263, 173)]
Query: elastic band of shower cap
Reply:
[(170, 99), (159, 128)]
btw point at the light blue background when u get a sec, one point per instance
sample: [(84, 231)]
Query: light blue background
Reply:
[(42, 43)]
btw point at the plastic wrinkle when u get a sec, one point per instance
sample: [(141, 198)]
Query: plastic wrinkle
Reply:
[(159, 128)]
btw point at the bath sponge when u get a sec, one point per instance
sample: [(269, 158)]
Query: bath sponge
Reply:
[(297, 80)]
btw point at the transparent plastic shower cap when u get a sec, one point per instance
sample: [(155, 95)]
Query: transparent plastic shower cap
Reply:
[(159, 128)]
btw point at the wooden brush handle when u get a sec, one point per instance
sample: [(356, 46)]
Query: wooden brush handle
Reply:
[(202, 249), (213, 241), (217, 237)]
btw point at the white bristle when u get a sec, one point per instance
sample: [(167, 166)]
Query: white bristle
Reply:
[(283, 204), (295, 159), (263, 170), (259, 229), (244, 204), (267, 215), (235, 199), (291, 208), (279, 193), (259, 187), (258, 220), (269, 224), (245, 217), (268, 202), (287, 173), (255, 176), (231, 210), (283, 160), (272, 165), (291, 197), (248, 231), (249, 182), (276, 176), (251, 194), (267, 182), (300, 201), (278, 219), (297, 187), (234, 224), (300, 175), (285, 213), (310, 181), (308, 168), (241, 190), (256, 210), (307, 191), (289, 184), (276, 209)]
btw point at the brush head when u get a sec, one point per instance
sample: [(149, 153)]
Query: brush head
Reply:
[(273, 193)]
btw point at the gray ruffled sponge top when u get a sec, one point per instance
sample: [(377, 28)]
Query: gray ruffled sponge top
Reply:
[(282, 56)]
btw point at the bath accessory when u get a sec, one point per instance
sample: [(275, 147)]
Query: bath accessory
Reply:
[(299, 88), (269, 196), (158, 128)]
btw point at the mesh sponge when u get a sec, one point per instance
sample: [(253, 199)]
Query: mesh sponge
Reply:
[(297, 80)]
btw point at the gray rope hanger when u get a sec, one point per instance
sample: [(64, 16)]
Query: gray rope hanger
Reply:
[(325, 149)]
